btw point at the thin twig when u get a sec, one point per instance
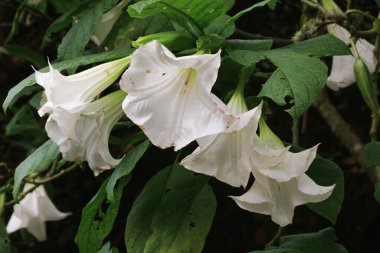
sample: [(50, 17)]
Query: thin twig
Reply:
[(51, 178), (21, 196), (276, 41), (276, 237)]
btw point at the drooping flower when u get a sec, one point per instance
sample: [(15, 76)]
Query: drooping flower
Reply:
[(86, 138), (226, 155), (281, 183), (342, 70), (33, 211), (79, 126), (170, 97), (72, 93), (108, 20)]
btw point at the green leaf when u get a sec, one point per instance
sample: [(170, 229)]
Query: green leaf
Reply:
[(277, 251), (30, 55), (97, 220), (325, 45), (377, 3), (125, 167), (326, 173), (371, 155), (68, 64), (252, 45), (37, 161), (75, 41), (298, 77), (183, 12), (377, 192), (107, 249), (66, 19), (322, 241), (5, 243), (241, 13), (173, 213)]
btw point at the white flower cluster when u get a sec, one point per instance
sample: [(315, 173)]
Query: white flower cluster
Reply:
[(170, 99)]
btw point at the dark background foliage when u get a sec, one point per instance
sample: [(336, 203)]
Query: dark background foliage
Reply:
[(233, 230)]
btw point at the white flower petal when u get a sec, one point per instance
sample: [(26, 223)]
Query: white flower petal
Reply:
[(290, 165), (281, 197), (73, 92), (226, 156), (342, 71), (32, 212), (88, 140), (170, 98), (256, 199)]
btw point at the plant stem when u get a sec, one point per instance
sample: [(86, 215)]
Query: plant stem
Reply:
[(295, 132), (52, 177), (276, 237), (276, 41)]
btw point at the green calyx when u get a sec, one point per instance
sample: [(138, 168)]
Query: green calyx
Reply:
[(268, 137), (174, 40), (332, 8)]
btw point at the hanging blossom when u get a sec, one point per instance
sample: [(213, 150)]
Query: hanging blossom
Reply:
[(78, 125), (88, 139), (170, 97), (106, 23), (226, 155), (280, 180), (342, 70), (33, 211)]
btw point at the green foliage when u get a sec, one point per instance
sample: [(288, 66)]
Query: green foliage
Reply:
[(173, 213), (371, 155), (97, 220), (5, 243), (191, 15), (326, 173), (322, 241), (37, 161), (277, 251), (298, 77), (75, 41), (125, 167), (15, 92), (107, 249), (325, 45)]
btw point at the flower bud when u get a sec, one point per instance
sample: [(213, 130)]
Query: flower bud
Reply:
[(174, 40), (363, 79)]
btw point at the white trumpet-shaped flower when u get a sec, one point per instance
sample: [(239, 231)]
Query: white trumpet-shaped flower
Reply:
[(33, 211), (87, 140), (281, 183), (226, 156), (170, 97), (342, 70), (108, 20), (79, 126), (72, 93)]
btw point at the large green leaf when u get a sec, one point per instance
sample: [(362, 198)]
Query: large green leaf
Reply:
[(192, 15), (299, 77), (371, 155), (13, 94), (97, 220), (125, 167), (72, 9), (325, 45), (320, 242), (75, 41), (173, 213), (37, 161), (326, 173), (5, 243), (277, 251)]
